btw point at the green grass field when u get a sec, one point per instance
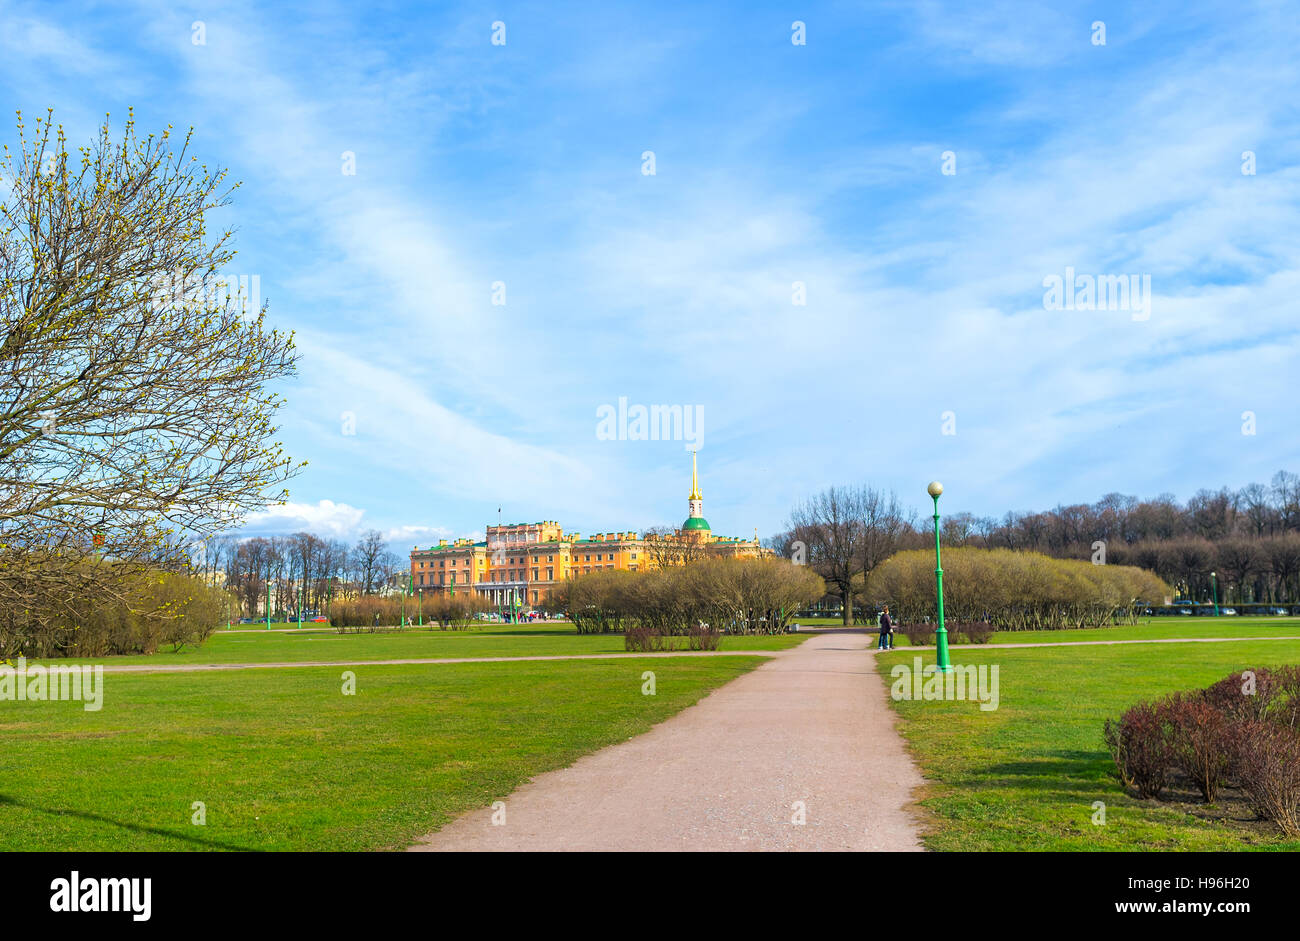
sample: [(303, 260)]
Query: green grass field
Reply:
[(1024, 777), (1146, 629), (283, 761), (493, 640)]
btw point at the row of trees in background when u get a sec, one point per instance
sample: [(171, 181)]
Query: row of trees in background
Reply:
[(1249, 538), (302, 568), (737, 596), (1256, 511), (1245, 570), (1013, 590), (444, 610)]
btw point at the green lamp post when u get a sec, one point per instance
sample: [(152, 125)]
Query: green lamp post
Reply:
[(1214, 594), (940, 635)]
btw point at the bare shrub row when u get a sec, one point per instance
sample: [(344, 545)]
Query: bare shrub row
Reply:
[(1242, 731)]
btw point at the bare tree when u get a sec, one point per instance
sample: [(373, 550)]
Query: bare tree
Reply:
[(1238, 559), (391, 569), (829, 525), (366, 561), (666, 547), (884, 526)]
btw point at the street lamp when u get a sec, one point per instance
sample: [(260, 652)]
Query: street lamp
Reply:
[(1214, 593), (941, 635)]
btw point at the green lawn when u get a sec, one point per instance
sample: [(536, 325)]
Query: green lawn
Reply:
[(1024, 777), (284, 761), (1151, 628), (1161, 628), (494, 640), (1157, 629)]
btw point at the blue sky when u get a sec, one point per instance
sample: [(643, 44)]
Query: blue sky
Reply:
[(775, 163)]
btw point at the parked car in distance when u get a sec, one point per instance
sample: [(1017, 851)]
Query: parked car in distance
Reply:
[(1185, 611), (1230, 611), (320, 619), (247, 621)]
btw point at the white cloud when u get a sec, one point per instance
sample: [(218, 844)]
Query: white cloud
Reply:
[(324, 518)]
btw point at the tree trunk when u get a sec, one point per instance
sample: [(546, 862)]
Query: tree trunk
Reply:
[(846, 597)]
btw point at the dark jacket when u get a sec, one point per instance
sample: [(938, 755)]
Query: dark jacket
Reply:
[(886, 625)]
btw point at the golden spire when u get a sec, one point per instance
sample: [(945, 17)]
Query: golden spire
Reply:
[(695, 480)]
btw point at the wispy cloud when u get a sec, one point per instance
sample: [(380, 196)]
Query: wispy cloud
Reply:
[(776, 164)]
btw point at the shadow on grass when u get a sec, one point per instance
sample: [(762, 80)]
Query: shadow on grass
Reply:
[(1072, 771), (6, 800)]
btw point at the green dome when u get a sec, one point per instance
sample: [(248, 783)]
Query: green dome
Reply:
[(696, 522)]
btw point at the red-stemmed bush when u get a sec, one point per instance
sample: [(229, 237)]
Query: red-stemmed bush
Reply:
[(703, 637), (1247, 694), (918, 635), (1287, 710), (1199, 740), (642, 638), (1267, 763), (1140, 744)]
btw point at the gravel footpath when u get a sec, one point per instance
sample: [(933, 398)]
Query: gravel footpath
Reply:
[(809, 730)]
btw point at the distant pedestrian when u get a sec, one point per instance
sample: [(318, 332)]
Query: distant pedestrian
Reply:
[(886, 630)]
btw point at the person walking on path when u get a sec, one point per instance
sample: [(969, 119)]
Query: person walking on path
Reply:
[(886, 630)]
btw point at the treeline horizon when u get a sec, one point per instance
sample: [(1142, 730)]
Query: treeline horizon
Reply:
[(301, 568), (1249, 537)]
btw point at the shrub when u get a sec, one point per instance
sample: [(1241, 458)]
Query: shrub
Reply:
[(919, 635), (131, 613), (978, 632), (1199, 741), (739, 595), (1015, 590), (1287, 712), (1246, 695), (1139, 744), (703, 637), (642, 638), (1267, 762)]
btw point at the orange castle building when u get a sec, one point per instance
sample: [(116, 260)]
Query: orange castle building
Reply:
[(522, 562)]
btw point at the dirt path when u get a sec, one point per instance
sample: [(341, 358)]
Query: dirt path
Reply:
[(811, 726), (415, 661)]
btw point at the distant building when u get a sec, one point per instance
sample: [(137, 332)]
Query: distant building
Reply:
[(524, 561)]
